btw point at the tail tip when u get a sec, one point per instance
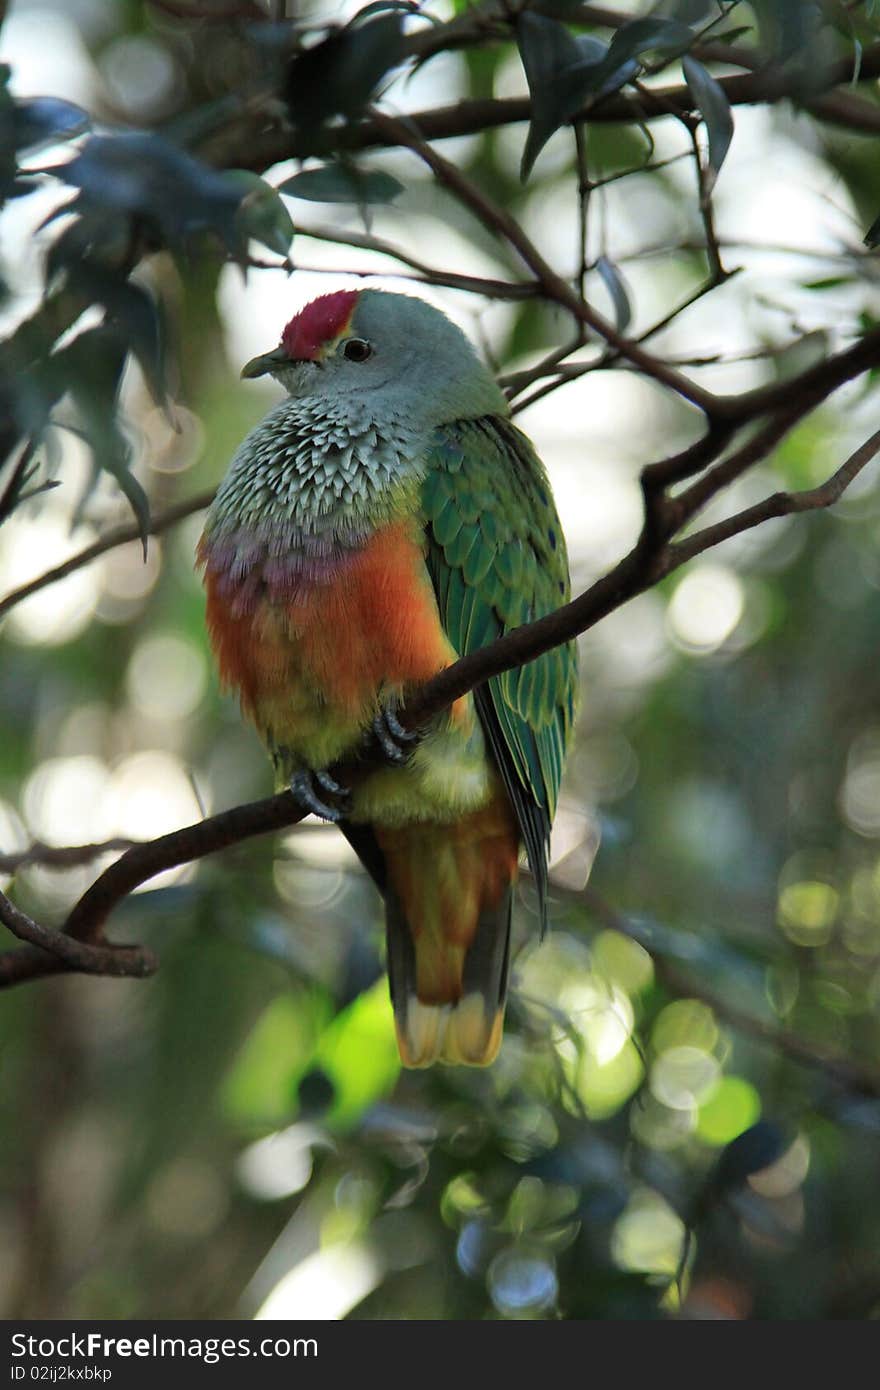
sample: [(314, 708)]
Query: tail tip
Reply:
[(465, 1033)]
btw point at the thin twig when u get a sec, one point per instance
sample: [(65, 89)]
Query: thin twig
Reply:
[(584, 190), (12, 493), (429, 275), (60, 857), (116, 536)]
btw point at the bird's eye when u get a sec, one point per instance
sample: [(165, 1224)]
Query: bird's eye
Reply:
[(357, 350)]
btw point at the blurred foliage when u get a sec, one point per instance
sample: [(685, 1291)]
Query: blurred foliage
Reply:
[(667, 1130)]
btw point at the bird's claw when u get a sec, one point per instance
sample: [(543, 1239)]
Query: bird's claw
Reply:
[(303, 787), (394, 740)]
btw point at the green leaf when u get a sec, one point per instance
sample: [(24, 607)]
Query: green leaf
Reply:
[(339, 75), (141, 175), (261, 214), (134, 495), (715, 110), (668, 37), (90, 242), (872, 235), (546, 48), (92, 367), (262, 1083), (562, 72), (342, 183), (857, 62), (138, 318), (613, 281), (731, 35), (788, 27), (631, 44), (358, 1054), (43, 120), (90, 266), (831, 282)]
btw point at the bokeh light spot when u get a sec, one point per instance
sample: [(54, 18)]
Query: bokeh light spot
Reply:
[(522, 1284), (705, 608), (63, 610), (623, 961), (63, 800), (648, 1237), (860, 791), (732, 1107), (279, 1165), (12, 836), (785, 1176), (807, 911), (682, 1077), (687, 1022), (166, 677)]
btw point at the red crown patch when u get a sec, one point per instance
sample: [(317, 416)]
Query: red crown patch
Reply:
[(318, 323)]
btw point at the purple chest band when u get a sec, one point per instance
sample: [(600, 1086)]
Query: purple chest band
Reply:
[(247, 568)]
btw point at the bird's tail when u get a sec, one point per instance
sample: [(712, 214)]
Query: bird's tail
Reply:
[(448, 896), (464, 1023)]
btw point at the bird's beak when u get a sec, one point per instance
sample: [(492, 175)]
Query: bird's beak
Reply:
[(268, 362)]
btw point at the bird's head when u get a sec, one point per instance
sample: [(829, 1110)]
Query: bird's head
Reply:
[(357, 342)]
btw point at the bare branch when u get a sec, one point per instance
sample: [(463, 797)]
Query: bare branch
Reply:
[(50, 952), (142, 862)]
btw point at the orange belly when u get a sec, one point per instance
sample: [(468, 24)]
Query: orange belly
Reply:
[(372, 627)]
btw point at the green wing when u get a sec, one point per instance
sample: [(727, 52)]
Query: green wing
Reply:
[(497, 559)]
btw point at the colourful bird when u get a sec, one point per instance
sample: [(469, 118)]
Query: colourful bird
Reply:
[(386, 517)]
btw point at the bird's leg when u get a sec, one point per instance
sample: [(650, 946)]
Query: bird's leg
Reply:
[(304, 785), (395, 741)]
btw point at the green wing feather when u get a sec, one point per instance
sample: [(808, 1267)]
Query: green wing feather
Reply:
[(497, 559)]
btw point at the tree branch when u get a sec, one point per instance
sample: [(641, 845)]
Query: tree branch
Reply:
[(50, 952), (258, 149), (779, 504)]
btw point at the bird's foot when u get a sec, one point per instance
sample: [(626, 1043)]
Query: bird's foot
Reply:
[(395, 741), (307, 787)]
